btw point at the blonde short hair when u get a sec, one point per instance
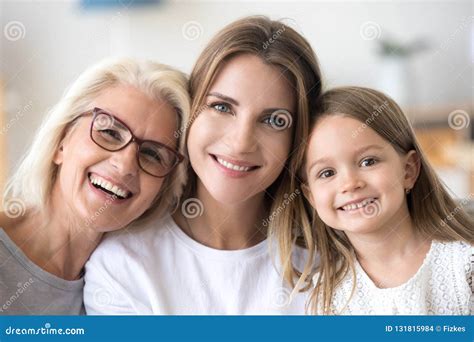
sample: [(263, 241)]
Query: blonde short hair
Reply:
[(33, 181)]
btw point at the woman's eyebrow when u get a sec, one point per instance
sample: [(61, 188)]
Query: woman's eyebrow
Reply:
[(224, 97), (236, 103)]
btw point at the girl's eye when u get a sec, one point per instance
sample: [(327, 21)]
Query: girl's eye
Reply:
[(221, 107), (368, 162), (326, 174)]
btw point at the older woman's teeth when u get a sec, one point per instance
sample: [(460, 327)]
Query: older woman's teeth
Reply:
[(359, 205), (232, 166), (108, 186)]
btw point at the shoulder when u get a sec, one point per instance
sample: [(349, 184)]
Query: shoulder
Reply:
[(135, 241), (460, 251)]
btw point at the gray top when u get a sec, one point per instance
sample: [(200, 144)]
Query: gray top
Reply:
[(26, 289)]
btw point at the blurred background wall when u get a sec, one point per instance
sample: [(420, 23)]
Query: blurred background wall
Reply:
[(419, 52)]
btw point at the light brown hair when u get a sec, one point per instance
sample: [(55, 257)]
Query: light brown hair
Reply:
[(279, 45)]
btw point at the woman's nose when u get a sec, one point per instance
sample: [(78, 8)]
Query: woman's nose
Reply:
[(125, 161), (241, 138)]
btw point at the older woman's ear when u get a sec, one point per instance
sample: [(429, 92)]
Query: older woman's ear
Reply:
[(58, 155)]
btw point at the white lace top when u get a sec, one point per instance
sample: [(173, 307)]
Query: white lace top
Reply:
[(442, 286)]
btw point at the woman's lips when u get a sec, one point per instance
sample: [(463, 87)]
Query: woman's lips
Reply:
[(234, 168)]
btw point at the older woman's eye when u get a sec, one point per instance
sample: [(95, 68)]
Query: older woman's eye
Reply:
[(111, 135), (221, 107)]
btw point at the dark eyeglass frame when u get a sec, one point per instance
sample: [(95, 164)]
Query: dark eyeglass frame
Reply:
[(96, 111)]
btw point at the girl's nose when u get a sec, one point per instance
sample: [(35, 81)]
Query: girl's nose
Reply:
[(351, 182)]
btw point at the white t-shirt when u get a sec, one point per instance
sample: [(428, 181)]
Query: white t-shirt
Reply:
[(158, 269), (441, 286)]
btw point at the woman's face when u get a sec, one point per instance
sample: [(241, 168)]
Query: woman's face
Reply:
[(81, 160), (237, 145)]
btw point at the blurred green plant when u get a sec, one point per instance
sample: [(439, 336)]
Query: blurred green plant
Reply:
[(390, 47)]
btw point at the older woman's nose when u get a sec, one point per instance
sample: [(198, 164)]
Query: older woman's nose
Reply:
[(125, 161)]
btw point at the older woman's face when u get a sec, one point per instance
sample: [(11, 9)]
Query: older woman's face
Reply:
[(81, 160)]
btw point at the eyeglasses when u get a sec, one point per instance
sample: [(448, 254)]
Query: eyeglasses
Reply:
[(113, 135)]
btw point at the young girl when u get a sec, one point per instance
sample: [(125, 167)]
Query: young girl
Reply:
[(252, 90), (392, 240)]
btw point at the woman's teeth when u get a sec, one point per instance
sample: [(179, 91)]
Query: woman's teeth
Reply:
[(233, 167), (359, 205), (104, 184)]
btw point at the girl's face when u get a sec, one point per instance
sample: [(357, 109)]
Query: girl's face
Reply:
[(357, 182), (82, 161), (236, 147)]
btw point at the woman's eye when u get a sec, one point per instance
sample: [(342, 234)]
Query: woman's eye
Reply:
[(326, 174), (111, 134), (368, 162), (273, 121), (279, 121), (221, 107), (151, 154)]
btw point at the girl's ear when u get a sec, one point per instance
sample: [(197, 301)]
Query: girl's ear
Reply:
[(412, 169), (307, 194)]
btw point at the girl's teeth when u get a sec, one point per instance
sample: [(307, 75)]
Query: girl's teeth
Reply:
[(359, 205), (108, 186), (232, 166)]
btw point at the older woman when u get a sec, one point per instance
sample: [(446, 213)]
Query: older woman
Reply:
[(106, 156)]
